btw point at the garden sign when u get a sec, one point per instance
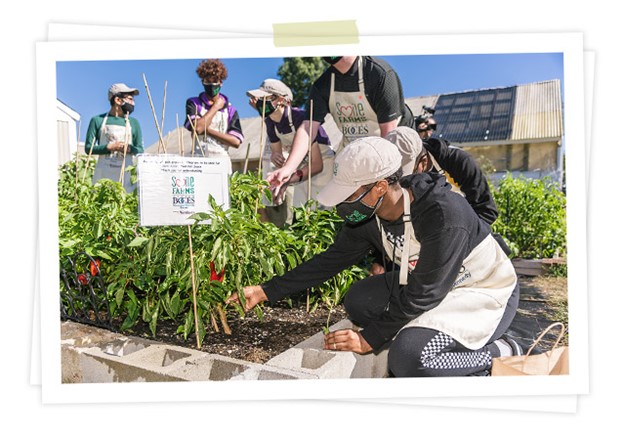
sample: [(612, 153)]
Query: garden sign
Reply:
[(173, 187)]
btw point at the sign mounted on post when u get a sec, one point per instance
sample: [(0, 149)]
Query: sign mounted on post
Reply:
[(172, 187)]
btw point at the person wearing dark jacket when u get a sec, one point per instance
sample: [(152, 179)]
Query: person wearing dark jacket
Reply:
[(445, 311)]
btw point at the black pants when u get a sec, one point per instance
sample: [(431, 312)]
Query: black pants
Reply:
[(423, 352)]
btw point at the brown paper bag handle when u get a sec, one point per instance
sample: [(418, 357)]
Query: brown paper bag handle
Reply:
[(546, 330)]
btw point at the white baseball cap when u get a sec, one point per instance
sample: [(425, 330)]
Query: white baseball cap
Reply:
[(121, 88), (409, 144), (271, 87), (361, 162)]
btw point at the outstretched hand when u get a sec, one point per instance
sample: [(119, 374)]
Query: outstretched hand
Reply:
[(346, 340), (253, 296), (277, 179)]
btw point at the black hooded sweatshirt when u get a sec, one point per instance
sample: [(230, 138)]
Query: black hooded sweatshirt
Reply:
[(447, 228)]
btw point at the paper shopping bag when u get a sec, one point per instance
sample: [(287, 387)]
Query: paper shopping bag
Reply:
[(552, 362)]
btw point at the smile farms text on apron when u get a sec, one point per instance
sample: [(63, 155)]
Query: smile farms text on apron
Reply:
[(352, 111)]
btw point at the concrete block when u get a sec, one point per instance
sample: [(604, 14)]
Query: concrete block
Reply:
[(219, 368), (308, 356), (92, 355)]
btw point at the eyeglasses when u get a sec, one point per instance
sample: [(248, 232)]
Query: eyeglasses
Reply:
[(208, 82)]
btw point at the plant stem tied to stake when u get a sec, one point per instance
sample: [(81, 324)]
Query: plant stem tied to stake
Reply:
[(194, 287)]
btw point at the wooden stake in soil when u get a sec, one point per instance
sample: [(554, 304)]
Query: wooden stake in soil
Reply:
[(77, 150), (122, 173), (194, 287), (180, 146), (162, 119), (261, 148), (149, 97), (310, 152), (195, 139), (84, 174), (262, 127), (246, 157)]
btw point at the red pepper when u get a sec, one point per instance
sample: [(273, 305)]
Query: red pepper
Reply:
[(214, 276), (83, 279), (94, 267)]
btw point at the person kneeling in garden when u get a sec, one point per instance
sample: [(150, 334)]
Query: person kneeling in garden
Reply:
[(445, 311)]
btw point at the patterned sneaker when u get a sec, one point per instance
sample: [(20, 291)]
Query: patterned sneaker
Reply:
[(516, 349)]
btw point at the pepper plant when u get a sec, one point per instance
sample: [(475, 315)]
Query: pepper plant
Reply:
[(148, 271)]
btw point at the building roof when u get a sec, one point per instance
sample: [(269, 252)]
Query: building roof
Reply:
[(529, 112), (180, 139)]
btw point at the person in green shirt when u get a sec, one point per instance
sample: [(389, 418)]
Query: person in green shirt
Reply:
[(115, 137)]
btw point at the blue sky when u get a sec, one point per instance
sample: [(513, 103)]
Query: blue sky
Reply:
[(83, 85)]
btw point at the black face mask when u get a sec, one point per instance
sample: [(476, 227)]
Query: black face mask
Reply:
[(268, 108), (356, 212), (212, 90), (331, 60), (127, 108)]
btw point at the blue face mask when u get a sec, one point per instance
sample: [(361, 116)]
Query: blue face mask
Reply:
[(356, 212)]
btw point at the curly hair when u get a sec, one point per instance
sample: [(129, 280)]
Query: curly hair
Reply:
[(212, 68)]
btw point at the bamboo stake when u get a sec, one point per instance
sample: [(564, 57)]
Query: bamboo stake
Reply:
[(247, 157), (162, 119), (262, 127), (149, 97), (310, 153), (122, 172), (194, 287), (180, 146), (261, 147), (194, 138), (77, 150), (84, 174)]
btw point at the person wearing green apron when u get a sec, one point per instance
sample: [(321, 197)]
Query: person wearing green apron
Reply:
[(446, 310), (273, 101), (115, 137), (364, 97)]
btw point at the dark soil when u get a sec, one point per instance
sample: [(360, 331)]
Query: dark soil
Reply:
[(253, 339), (543, 300)]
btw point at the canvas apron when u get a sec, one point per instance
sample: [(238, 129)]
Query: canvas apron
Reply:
[(473, 308), (207, 146), (296, 195), (352, 112), (110, 166)]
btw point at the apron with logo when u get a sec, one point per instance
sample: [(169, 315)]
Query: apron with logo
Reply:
[(207, 146), (473, 308), (297, 195), (352, 112), (112, 166)]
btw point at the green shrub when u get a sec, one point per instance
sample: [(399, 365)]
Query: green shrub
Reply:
[(532, 216)]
